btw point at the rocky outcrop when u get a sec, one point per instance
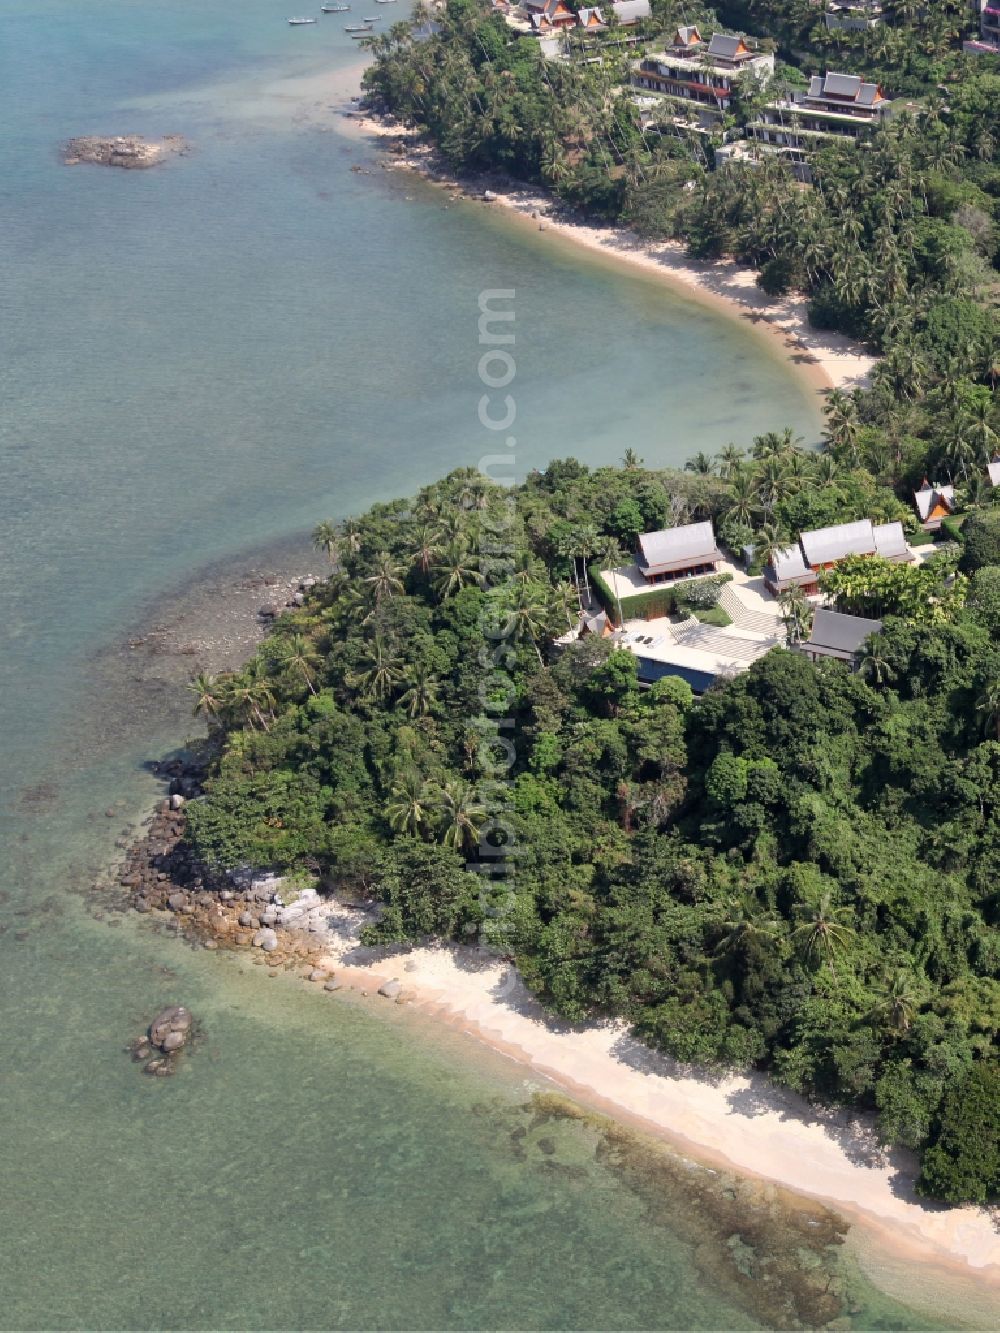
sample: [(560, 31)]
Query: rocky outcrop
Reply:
[(157, 1049), (129, 151)]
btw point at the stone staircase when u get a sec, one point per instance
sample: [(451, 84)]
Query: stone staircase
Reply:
[(712, 640), (756, 622)]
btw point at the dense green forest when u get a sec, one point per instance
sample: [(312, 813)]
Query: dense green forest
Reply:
[(799, 870)]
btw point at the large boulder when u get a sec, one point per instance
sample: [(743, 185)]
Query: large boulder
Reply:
[(171, 1027)]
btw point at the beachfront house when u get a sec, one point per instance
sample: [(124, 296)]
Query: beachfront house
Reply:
[(838, 636), (799, 565), (835, 106), (933, 504), (695, 80)]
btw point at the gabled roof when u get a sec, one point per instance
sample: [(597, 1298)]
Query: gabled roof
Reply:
[(687, 36), (929, 497), (677, 548), (788, 566), (727, 46), (591, 18), (631, 11), (993, 472), (890, 543), (826, 545), (839, 634), (845, 88)]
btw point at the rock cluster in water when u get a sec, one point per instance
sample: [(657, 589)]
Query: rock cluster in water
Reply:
[(164, 1039), (122, 150)]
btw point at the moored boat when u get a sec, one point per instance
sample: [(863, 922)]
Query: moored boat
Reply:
[(299, 23), (334, 9), (357, 27)]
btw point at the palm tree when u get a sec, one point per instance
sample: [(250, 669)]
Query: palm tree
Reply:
[(326, 538), (730, 460), (456, 570), (379, 674), (586, 544), (296, 653), (700, 463), (898, 1006), (742, 926), (744, 497), (461, 815), (767, 543), (824, 932), (421, 694), (350, 535), (988, 706), (427, 549), (411, 802), (252, 694), (566, 603), (797, 614), (631, 462), (211, 696), (872, 661), (528, 616), (386, 579)]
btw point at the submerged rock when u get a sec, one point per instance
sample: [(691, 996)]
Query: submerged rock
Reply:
[(122, 150)]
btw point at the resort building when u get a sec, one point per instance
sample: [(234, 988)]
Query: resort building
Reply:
[(799, 565), (697, 79), (988, 41), (547, 15), (677, 553), (993, 472), (852, 15), (933, 504), (835, 106), (838, 636)]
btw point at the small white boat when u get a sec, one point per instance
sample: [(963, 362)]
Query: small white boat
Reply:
[(334, 9), (360, 36), (357, 27), (298, 23)]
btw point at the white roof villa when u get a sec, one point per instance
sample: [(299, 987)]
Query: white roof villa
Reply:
[(686, 550), (799, 565), (993, 472)]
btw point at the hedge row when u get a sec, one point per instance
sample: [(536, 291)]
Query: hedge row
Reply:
[(663, 600)]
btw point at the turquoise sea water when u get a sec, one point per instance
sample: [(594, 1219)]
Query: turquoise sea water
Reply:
[(197, 363)]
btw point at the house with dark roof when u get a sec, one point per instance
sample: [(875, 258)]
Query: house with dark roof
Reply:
[(838, 636), (799, 565), (835, 106), (933, 504), (677, 553), (696, 79)]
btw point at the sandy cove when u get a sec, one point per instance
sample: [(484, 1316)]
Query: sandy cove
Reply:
[(828, 360), (743, 1122)]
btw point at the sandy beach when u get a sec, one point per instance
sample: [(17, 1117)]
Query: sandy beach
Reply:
[(740, 1121), (828, 360)]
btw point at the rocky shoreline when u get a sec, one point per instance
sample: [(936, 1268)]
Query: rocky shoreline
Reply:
[(128, 151)]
